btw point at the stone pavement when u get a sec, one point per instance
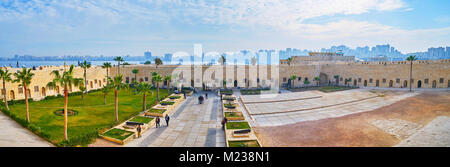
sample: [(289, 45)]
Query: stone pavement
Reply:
[(268, 114), (14, 135), (434, 134), (191, 125)]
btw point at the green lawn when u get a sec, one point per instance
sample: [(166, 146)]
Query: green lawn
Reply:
[(141, 119), (237, 125), (92, 114), (327, 89), (118, 134), (245, 143)]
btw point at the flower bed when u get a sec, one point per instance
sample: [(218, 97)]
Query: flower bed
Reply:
[(155, 112), (244, 143), (234, 116), (237, 125), (118, 135), (165, 103), (141, 119), (230, 106), (175, 97)]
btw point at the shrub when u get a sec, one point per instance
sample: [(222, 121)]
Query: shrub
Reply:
[(175, 97), (81, 140), (164, 103), (231, 106)]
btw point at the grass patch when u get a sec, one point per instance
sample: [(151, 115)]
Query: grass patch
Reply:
[(238, 125), (175, 97), (229, 98), (118, 134), (93, 115), (233, 114), (159, 111), (246, 143), (328, 89), (141, 119), (165, 103), (230, 106)]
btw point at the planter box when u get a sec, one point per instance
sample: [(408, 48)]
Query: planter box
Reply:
[(122, 142)]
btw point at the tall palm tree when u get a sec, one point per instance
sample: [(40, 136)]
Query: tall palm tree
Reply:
[(24, 78), (82, 89), (52, 85), (289, 61), (118, 59), (158, 62), (348, 80), (306, 82), (337, 78), (65, 80), (135, 72), (293, 77), (144, 88), (317, 79), (107, 65), (168, 79), (157, 79), (85, 65), (5, 75), (222, 60), (153, 74), (105, 91), (411, 59), (117, 84)]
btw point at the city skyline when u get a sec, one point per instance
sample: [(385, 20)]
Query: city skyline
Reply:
[(56, 28)]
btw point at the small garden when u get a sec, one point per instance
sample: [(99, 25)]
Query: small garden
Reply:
[(237, 125), (141, 119), (244, 143), (118, 134), (253, 91), (87, 117)]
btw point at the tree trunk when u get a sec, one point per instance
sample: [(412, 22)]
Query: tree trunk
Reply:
[(157, 91), (168, 87), (26, 103), (144, 107), (135, 77), (4, 96), (65, 113), (410, 77), (85, 82), (104, 99), (116, 105), (107, 75), (82, 97)]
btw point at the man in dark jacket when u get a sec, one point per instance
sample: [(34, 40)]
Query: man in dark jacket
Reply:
[(157, 122), (167, 119)]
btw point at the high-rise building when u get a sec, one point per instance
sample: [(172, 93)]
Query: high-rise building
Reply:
[(148, 55), (168, 57)]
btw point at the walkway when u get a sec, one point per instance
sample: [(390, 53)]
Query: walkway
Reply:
[(14, 135), (191, 125)]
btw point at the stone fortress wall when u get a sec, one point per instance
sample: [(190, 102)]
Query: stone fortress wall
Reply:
[(426, 74), (96, 77)]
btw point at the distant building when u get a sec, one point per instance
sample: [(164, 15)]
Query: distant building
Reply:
[(319, 57), (168, 57), (148, 55)]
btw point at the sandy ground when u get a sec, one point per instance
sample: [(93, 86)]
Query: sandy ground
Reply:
[(379, 127)]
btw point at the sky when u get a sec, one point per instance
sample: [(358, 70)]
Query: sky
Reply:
[(131, 27)]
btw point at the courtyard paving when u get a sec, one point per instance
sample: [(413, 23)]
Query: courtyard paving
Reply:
[(329, 105), (14, 135), (191, 125)]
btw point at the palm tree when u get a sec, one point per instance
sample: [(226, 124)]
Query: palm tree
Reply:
[(158, 62), (118, 59), (85, 65), (317, 79), (157, 79), (153, 74), (253, 60), (82, 89), (222, 60), (105, 91), (143, 88), (224, 84), (337, 78), (65, 80), (306, 82), (348, 80), (411, 59), (293, 77), (24, 78), (168, 79), (289, 61), (107, 65), (135, 72), (117, 84), (5, 75), (52, 85)]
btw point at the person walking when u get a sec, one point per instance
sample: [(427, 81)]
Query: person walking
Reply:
[(224, 122), (206, 95), (184, 94), (138, 129), (157, 122), (167, 119)]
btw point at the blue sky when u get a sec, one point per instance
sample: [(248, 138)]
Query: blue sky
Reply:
[(119, 27)]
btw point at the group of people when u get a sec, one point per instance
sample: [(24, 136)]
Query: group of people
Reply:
[(157, 120), (201, 98)]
